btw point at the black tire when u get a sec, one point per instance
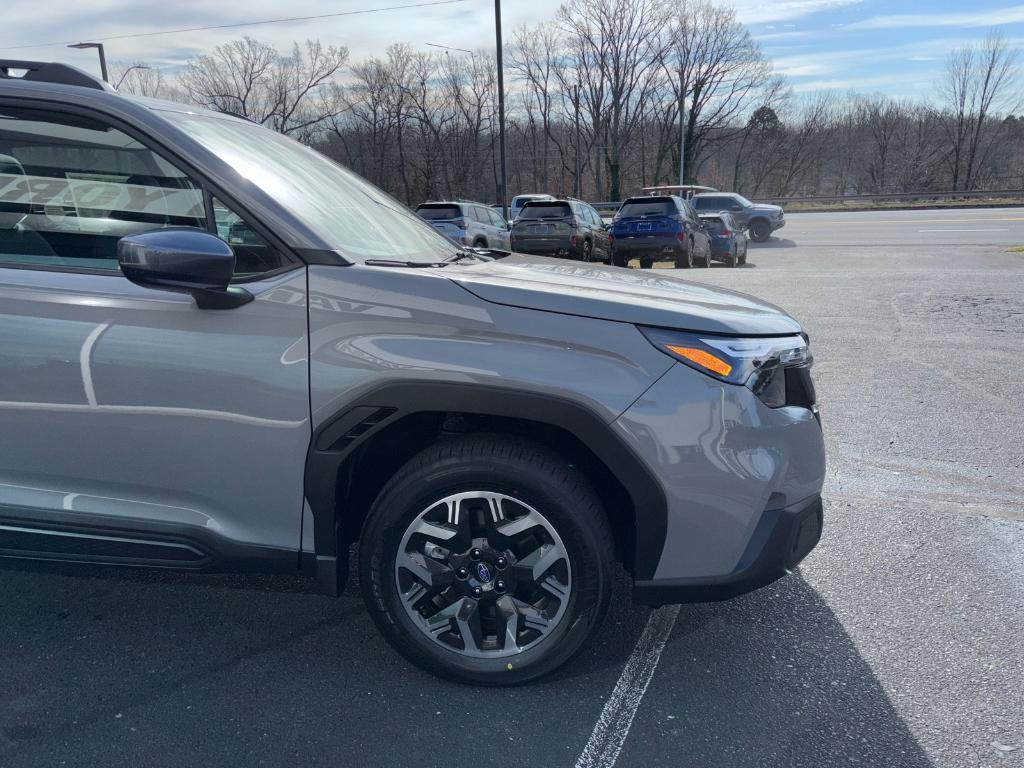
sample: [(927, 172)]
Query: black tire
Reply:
[(516, 468), (618, 260), (760, 230), (588, 251), (479, 243), (687, 261), (743, 256), (733, 256), (707, 259)]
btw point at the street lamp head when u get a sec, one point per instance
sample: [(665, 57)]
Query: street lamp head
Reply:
[(81, 46)]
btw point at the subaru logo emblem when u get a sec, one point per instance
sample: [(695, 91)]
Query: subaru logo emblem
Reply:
[(483, 573)]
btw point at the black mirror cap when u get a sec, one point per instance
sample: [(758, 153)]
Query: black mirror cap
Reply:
[(183, 259)]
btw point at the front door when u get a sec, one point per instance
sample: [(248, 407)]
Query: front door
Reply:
[(134, 426)]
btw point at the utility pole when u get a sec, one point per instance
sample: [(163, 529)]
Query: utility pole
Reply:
[(576, 104), (503, 189)]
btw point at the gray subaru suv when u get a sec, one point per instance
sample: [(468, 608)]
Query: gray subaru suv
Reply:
[(224, 352)]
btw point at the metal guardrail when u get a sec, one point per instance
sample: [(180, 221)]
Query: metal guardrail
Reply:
[(611, 207), (976, 194)]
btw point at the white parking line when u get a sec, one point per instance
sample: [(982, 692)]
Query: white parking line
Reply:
[(609, 734), (963, 230)]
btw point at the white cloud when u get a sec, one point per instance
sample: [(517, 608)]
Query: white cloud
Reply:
[(761, 11), (989, 17)]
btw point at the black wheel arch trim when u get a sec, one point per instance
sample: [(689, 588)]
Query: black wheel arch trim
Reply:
[(335, 439)]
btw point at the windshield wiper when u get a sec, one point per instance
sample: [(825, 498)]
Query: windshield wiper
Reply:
[(468, 254), (458, 256), (397, 263)]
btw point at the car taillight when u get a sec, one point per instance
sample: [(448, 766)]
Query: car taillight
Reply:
[(726, 233), (611, 238), (460, 223), (572, 240), (681, 234)]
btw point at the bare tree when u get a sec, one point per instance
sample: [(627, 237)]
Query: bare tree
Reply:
[(291, 93), (979, 81), (716, 73), (615, 48), (141, 79)]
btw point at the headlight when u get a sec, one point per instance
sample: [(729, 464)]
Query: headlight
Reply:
[(757, 363)]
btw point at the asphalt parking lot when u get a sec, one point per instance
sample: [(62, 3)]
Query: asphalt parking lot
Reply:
[(899, 641)]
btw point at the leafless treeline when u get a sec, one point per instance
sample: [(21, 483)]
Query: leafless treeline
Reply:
[(424, 125)]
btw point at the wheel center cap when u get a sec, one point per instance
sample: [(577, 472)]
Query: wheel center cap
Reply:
[(483, 573)]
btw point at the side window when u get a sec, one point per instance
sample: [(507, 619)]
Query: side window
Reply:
[(476, 214), (496, 219), (71, 187), (253, 254)]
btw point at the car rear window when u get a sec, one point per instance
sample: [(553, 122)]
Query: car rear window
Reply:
[(439, 212), (657, 206), (715, 225), (548, 210)]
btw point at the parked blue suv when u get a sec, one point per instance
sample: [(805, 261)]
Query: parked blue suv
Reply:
[(659, 228)]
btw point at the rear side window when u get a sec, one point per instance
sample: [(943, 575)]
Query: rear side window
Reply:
[(656, 206), (545, 210), (714, 225), (71, 187), (496, 219), (439, 212)]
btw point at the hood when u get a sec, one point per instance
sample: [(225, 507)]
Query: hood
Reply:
[(768, 207), (647, 297)]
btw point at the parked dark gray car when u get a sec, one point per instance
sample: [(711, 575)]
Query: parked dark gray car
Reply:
[(568, 229), (494, 433), (760, 219)]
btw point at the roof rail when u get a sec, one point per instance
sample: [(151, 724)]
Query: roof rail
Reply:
[(51, 72)]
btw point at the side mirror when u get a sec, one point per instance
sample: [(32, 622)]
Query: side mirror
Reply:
[(508, 225), (185, 260)]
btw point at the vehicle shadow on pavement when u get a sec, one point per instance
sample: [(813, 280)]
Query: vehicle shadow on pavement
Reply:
[(769, 679), (775, 242), (118, 670)]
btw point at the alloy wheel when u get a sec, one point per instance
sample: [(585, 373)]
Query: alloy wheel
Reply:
[(483, 574)]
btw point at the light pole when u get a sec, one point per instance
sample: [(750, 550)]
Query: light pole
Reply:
[(576, 104), (103, 58), (682, 142), (503, 190), (127, 72)]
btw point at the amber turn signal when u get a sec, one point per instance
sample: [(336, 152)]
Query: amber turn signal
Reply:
[(701, 358)]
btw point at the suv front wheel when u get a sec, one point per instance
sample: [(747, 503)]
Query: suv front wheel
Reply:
[(487, 559)]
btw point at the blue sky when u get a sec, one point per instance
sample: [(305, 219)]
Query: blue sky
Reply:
[(887, 46), (897, 47)]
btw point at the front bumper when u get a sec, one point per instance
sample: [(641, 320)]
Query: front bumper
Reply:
[(777, 224), (783, 537), (730, 469)]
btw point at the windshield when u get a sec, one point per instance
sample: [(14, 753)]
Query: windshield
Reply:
[(347, 212)]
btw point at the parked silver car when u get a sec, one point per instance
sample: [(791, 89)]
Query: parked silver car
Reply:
[(520, 200), (468, 223), (494, 433)]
